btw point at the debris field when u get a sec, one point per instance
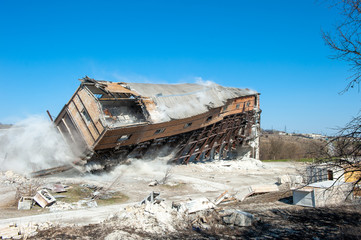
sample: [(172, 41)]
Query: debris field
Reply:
[(219, 199)]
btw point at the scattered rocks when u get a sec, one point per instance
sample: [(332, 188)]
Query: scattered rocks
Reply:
[(23, 231), (237, 217), (63, 206)]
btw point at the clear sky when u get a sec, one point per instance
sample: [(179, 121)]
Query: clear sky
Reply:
[(274, 47)]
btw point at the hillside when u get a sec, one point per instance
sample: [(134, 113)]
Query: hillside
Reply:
[(275, 146)]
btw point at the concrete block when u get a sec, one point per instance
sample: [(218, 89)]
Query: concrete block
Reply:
[(237, 217), (25, 203)]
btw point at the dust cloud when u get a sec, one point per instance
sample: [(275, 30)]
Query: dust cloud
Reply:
[(31, 145), (152, 166)]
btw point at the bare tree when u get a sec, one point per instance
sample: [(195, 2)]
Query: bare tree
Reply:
[(344, 151), (345, 39), (343, 154)]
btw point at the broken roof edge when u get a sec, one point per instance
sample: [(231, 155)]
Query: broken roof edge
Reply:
[(162, 89), (166, 102)]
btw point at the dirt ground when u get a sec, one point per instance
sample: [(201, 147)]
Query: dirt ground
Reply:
[(275, 215), (275, 223)]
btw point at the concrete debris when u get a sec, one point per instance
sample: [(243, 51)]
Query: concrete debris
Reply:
[(151, 218), (25, 203), (151, 198), (237, 217), (264, 188), (44, 198), (10, 178), (153, 183), (81, 204), (62, 206), (196, 205), (10, 232), (87, 203), (243, 193), (23, 231)]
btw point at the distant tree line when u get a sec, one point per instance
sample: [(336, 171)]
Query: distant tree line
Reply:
[(275, 147)]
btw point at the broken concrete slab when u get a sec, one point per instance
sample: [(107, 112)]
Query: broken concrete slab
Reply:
[(196, 205), (264, 188), (151, 198), (44, 198), (10, 232), (237, 217), (153, 183), (87, 203), (243, 193)]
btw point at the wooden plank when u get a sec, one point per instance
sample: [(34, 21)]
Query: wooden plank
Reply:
[(85, 124), (51, 171)]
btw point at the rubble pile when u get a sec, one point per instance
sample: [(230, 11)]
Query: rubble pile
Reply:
[(23, 231), (151, 218), (63, 206), (12, 178), (155, 216)]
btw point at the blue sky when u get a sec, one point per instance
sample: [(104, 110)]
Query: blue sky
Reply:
[(274, 47)]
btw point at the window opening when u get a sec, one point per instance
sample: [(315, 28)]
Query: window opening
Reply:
[(187, 125), (159, 131), (124, 137), (86, 115)]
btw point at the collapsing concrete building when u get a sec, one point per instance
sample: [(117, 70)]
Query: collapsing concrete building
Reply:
[(111, 121)]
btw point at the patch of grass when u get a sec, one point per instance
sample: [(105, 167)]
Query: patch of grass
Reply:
[(173, 186), (291, 160), (116, 198), (75, 193)]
